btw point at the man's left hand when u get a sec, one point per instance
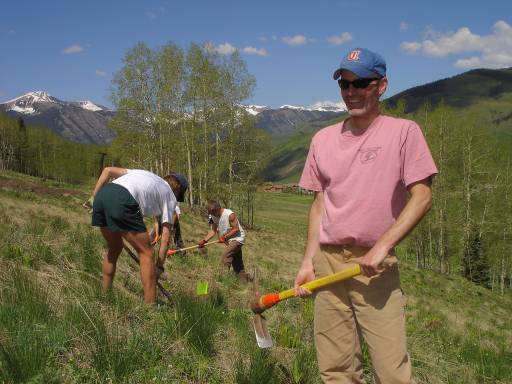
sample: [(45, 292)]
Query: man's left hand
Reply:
[(371, 264), (88, 204)]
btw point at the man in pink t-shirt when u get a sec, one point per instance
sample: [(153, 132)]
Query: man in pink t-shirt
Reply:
[(362, 171)]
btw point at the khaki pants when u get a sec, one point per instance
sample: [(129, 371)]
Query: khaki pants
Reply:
[(372, 308)]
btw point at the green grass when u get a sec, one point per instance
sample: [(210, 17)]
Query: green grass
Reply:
[(57, 326)]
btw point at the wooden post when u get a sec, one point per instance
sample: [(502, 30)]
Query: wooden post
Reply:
[(102, 160)]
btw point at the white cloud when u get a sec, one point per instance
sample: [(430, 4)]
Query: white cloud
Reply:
[(262, 38), (99, 72), (345, 37), (255, 51), (223, 49), (472, 62), (404, 26), (410, 47), (72, 49), (295, 40), (227, 49), (492, 51)]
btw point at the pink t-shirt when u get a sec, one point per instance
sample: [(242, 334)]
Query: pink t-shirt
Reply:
[(365, 176)]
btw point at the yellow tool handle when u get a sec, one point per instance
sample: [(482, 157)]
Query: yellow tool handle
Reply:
[(323, 281)]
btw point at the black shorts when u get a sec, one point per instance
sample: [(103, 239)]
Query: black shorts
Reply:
[(115, 208)]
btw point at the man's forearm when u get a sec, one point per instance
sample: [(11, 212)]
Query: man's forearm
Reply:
[(167, 233), (209, 235), (106, 175), (102, 180), (315, 217)]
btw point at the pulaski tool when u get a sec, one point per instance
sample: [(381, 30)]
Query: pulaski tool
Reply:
[(267, 301)]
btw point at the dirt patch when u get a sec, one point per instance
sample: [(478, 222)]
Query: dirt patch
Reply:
[(29, 186)]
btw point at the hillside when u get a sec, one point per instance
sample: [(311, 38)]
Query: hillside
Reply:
[(57, 327), (288, 120), (466, 89), (482, 92)]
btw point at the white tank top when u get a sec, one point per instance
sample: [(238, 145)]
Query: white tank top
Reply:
[(223, 226)]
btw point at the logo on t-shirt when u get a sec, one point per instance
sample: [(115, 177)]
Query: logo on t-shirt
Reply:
[(367, 155)]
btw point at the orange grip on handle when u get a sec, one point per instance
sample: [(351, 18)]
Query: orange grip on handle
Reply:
[(269, 300)]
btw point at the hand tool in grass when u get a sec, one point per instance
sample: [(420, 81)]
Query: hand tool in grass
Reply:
[(164, 291), (259, 322), (171, 252), (269, 300)]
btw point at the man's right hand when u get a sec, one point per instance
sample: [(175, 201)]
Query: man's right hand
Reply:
[(201, 243), (306, 273)]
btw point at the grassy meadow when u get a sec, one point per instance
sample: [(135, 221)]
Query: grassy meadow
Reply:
[(56, 326)]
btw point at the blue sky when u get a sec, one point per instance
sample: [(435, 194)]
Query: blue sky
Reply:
[(71, 49)]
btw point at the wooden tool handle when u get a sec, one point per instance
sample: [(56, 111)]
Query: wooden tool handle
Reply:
[(173, 251)]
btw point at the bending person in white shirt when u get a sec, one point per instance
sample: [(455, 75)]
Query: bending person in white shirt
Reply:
[(118, 209)]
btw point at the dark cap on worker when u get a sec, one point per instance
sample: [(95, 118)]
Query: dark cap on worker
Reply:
[(363, 63), (183, 186)]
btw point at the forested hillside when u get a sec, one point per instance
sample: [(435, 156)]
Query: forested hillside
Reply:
[(459, 91)]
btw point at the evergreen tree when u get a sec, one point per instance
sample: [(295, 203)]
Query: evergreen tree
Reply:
[(475, 262)]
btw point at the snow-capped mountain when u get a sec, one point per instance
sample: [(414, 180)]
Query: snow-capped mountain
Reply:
[(89, 105), (87, 122), (255, 109), (27, 103), (328, 106), (319, 106), (288, 118), (81, 121)]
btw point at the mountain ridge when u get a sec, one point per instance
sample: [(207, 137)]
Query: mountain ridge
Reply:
[(87, 122), (79, 121)]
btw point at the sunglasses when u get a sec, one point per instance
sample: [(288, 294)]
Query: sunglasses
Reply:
[(360, 83)]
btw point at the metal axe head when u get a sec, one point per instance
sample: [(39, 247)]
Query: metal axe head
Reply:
[(263, 338)]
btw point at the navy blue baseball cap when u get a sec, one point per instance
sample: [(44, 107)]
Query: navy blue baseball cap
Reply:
[(183, 186), (363, 63)]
